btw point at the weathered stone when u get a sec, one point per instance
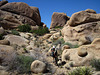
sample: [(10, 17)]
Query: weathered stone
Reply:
[(52, 32), (82, 55), (58, 19), (84, 40), (22, 9), (37, 15), (13, 39), (38, 66), (96, 41), (18, 8), (3, 3), (83, 17), (24, 35), (35, 27), (44, 26), (65, 47), (4, 42), (1, 30), (90, 11), (82, 34), (46, 36), (18, 13), (55, 36)]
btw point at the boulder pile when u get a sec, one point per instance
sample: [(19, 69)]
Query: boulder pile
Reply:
[(18, 13), (82, 28)]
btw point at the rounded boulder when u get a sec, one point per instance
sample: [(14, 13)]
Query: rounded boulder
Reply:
[(38, 66)]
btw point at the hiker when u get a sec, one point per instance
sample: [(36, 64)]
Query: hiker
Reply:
[(54, 55)]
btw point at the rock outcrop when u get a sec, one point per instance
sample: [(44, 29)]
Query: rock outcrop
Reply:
[(82, 28), (83, 17), (3, 3), (58, 20), (18, 13), (83, 54), (90, 11)]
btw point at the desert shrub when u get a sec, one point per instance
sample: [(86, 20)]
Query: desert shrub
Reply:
[(14, 32), (70, 45), (1, 19), (81, 71), (95, 63), (60, 27), (21, 63), (41, 31), (24, 28), (76, 46), (59, 41), (1, 36)]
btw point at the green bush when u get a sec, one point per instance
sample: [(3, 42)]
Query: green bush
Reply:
[(95, 63), (70, 45), (24, 28), (81, 71), (21, 63), (1, 19), (14, 32), (1, 36), (59, 41), (60, 27), (41, 31)]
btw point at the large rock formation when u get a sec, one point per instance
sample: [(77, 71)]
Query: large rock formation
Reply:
[(83, 17), (83, 54), (58, 20), (82, 28), (3, 2), (17, 13)]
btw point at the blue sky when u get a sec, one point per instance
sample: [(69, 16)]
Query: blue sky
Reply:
[(47, 7)]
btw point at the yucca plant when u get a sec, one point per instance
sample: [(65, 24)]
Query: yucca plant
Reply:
[(81, 71), (95, 63)]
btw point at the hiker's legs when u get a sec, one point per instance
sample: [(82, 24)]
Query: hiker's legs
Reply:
[(55, 60)]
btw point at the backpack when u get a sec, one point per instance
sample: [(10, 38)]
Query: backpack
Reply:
[(52, 53), (55, 53)]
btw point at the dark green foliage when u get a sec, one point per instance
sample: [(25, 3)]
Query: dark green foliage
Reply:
[(60, 27), (60, 33), (1, 36), (59, 41), (21, 63), (14, 32), (24, 28), (95, 63), (41, 31), (81, 71), (70, 45), (1, 19)]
